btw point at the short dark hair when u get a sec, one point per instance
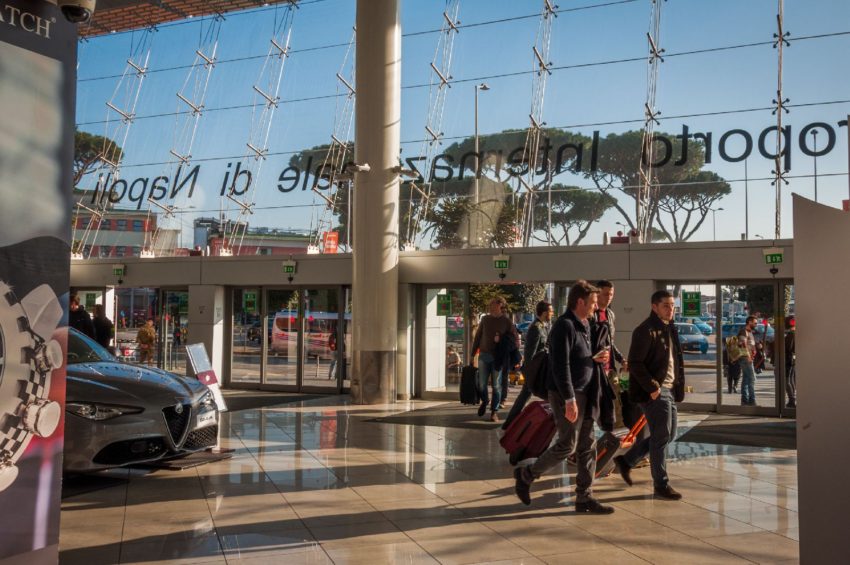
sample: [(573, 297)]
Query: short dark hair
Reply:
[(580, 290), (753, 318), (604, 284), (660, 295), (542, 307)]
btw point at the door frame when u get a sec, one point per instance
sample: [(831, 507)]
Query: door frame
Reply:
[(421, 290), (778, 409), (298, 387)]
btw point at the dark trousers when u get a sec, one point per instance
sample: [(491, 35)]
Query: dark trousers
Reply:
[(661, 416), (576, 437), (791, 384)]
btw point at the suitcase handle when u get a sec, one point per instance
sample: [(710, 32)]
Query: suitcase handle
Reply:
[(630, 438)]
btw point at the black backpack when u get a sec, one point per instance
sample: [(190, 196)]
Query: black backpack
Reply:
[(536, 371)]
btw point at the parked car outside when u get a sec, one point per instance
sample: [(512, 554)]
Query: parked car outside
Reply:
[(119, 414), (691, 339), (702, 326)]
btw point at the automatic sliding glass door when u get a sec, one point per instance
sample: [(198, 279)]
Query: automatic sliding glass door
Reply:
[(283, 322)]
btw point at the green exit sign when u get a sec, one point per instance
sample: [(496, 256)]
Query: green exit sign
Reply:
[(118, 271), (773, 255), (289, 267), (501, 263), (691, 303)]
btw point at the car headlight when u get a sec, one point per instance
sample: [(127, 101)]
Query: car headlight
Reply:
[(93, 411), (208, 401)]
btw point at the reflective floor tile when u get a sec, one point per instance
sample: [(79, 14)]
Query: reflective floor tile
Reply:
[(761, 547), (407, 552), (266, 544), (347, 535)]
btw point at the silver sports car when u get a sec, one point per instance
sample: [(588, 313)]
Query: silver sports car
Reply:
[(117, 414)]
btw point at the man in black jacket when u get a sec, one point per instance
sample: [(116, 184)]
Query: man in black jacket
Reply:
[(657, 382), (535, 341), (78, 318), (575, 389)]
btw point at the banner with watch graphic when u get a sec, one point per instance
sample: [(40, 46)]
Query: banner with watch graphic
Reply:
[(37, 97)]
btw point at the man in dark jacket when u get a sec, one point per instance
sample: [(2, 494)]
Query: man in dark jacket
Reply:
[(78, 318), (574, 395), (535, 341), (102, 327), (657, 382), (604, 324)]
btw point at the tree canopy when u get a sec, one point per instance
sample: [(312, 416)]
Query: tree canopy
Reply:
[(89, 152)]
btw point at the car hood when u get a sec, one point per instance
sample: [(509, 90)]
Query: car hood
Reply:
[(691, 337), (121, 383)]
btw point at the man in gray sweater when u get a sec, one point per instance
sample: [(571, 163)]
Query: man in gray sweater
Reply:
[(493, 327)]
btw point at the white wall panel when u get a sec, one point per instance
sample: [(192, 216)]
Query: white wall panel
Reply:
[(823, 388)]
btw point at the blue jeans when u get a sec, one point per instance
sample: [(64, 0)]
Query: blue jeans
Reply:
[(661, 416), (748, 382), (485, 369)]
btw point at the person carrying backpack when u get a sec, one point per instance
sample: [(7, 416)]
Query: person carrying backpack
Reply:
[(535, 342)]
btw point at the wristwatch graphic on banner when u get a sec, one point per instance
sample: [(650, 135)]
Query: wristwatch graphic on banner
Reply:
[(28, 356)]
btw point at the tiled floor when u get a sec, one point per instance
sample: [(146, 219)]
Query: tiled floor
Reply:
[(318, 482)]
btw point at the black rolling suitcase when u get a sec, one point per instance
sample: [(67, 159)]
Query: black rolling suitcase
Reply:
[(613, 444), (469, 385)]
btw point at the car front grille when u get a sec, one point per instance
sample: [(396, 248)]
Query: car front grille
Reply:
[(200, 439), (177, 422)]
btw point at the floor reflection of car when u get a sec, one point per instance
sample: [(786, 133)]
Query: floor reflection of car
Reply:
[(118, 414), (691, 339)]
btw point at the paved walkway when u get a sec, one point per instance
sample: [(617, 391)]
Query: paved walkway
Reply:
[(317, 482)]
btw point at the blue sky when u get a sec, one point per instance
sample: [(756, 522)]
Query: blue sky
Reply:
[(721, 81)]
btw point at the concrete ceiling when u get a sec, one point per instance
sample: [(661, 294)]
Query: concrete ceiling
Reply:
[(122, 15)]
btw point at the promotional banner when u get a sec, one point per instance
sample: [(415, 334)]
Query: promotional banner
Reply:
[(37, 86)]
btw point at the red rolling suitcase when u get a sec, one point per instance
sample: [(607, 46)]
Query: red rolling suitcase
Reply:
[(613, 444), (530, 433)]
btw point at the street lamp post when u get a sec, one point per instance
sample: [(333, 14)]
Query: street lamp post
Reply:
[(624, 226), (815, 157), (746, 202), (714, 220), (482, 86)]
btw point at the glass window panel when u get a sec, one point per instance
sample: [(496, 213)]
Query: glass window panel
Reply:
[(283, 325), (740, 302), (696, 324), (321, 322), (248, 336)]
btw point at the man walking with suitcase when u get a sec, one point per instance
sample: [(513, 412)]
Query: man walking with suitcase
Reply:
[(574, 396), (657, 382), (493, 327)]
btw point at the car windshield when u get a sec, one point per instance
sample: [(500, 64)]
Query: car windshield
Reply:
[(82, 349), (686, 329)]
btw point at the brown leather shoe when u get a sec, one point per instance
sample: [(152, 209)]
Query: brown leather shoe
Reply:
[(592, 506), (667, 492)]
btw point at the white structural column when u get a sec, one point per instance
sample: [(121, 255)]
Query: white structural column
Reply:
[(206, 322), (376, 201)]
